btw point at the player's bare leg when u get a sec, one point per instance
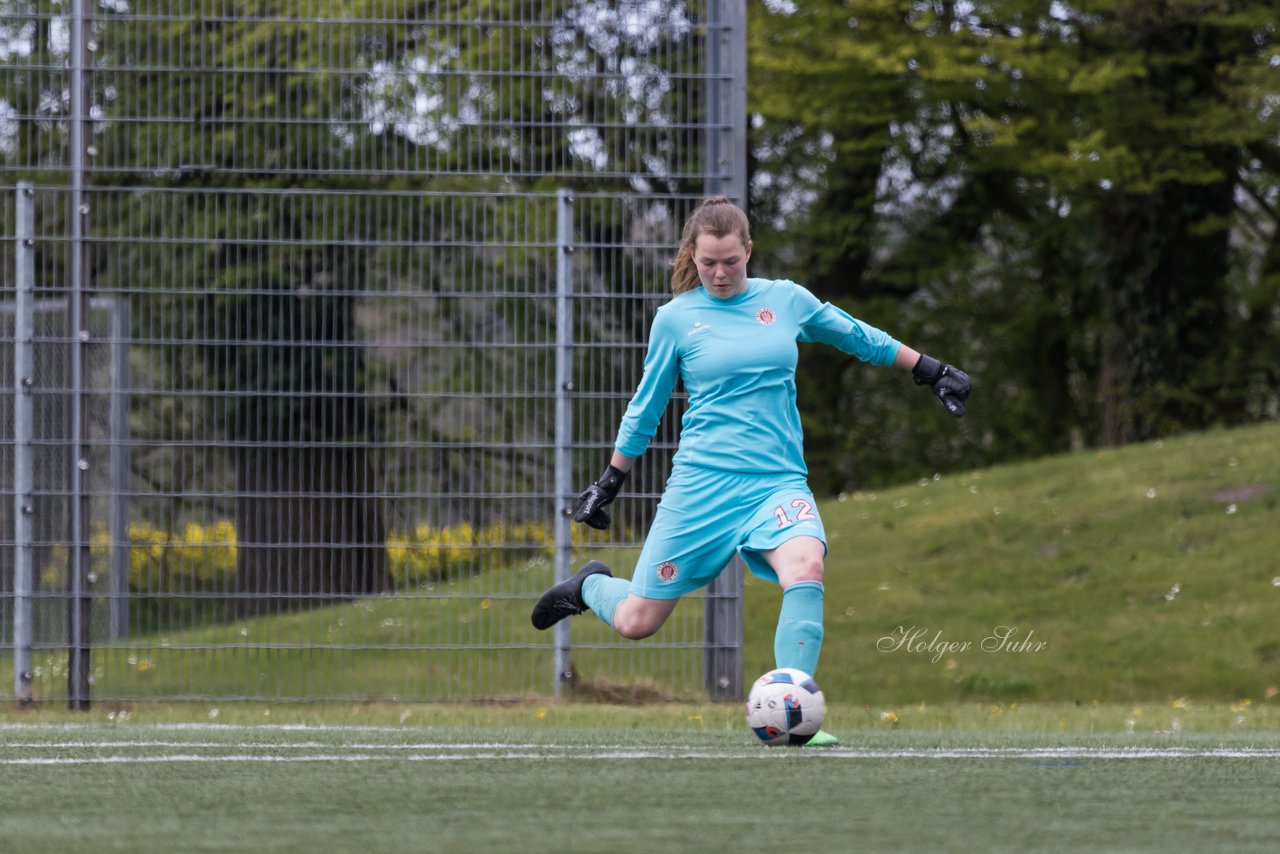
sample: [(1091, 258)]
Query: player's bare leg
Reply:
[(637, 617)]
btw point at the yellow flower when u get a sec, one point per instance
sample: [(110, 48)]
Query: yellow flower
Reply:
[(541, 714)]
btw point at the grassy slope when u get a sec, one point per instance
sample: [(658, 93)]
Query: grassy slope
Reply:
[(1142, 579), (1082, 553)]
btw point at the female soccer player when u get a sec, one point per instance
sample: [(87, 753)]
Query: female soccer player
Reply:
[(738, 479)]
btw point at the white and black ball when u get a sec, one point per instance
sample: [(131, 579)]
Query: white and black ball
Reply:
[(785, 707)]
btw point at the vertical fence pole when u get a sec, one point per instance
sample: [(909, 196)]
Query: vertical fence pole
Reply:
[(78, 340), (725, 168), (725, 130), (120, 488), (563, 673), (713, 163), (23, 412), (734, 97)]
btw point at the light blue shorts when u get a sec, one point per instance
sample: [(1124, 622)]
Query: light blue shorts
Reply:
[(706, 515)]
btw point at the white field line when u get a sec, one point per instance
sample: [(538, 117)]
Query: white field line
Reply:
[(197, 727), (274, 745), (455, 753)]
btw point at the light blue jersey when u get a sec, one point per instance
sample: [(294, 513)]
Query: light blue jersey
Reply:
[(737, 360)]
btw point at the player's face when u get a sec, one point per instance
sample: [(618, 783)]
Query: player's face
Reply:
[(722, 264)]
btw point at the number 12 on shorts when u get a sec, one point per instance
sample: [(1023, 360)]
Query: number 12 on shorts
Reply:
[(803, 509)]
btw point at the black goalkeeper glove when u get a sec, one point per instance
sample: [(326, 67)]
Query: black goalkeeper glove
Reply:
[(950, 385), (591, 503)]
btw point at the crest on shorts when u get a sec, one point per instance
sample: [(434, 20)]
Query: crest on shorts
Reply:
[(766, 317), (667, 571)]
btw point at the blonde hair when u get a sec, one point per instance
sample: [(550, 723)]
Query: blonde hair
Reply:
[(716, 216)]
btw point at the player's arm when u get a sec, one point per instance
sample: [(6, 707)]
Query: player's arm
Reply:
[(639, 423), (832, 325)]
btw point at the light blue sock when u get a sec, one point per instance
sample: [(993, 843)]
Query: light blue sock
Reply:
[(799, 637), (602, 593)]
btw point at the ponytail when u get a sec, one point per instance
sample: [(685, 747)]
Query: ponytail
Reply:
[(684, 272), (716, 216)]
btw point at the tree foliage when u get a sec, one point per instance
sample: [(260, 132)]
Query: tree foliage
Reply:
[(1075, 200)]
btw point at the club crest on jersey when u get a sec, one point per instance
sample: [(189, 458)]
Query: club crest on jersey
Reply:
[(766, 317), (667, 571)]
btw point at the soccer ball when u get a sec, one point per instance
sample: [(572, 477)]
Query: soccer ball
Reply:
[(785, 706)]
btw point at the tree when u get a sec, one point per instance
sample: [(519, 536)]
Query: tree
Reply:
[(1064, 180), (1179, 125)]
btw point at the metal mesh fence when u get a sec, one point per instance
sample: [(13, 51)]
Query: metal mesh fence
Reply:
[(347, 351)]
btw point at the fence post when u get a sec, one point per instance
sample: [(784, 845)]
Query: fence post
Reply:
[(563, 672), (23, 417), (726, 170), (79, 605), (725, 130)]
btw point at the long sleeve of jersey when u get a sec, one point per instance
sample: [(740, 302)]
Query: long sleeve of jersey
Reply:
[(661, 368), (832, 325)]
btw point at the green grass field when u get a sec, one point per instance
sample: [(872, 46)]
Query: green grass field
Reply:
[(1135, 708), (671, 778)]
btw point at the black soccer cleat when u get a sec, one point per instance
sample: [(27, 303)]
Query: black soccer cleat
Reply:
[(565, 599)]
